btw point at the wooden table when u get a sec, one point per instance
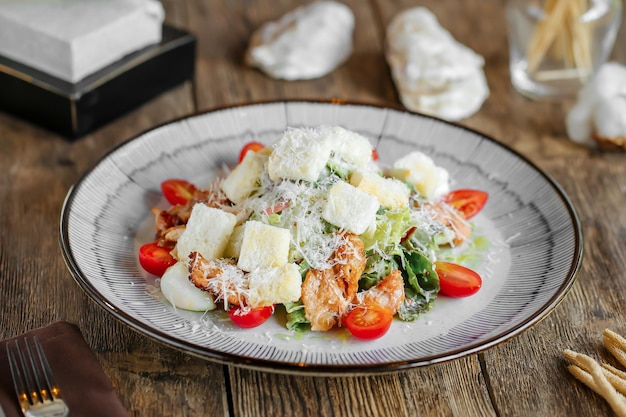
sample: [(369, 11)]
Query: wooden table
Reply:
[(525, 376)]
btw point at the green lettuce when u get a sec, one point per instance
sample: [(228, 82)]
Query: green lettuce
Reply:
[(296, 319), (377, 267), (421, 285), (391, 226)]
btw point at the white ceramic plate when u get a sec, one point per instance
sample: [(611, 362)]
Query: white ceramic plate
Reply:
[(528, 247)]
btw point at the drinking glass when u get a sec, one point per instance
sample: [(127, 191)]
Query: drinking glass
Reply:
[(555, 46)]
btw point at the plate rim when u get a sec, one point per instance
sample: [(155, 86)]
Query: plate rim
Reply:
[(295, 368)]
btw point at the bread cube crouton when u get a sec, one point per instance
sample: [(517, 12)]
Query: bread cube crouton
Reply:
[(233, 247), (350, 208), (274, 285), (263, 246), (208, 231), (350, 146), (180, 292), (390, 192), (300, 154), (243, 179), (420, 170)]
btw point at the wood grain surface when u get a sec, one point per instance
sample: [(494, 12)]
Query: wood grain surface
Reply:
[(525, 376)]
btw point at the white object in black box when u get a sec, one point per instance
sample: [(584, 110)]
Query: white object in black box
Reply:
[(70, 39)]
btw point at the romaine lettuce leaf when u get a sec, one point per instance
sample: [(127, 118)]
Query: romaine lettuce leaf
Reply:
[(296, 319), (414, 305), (391, 226), (421, 285), (376, 268)]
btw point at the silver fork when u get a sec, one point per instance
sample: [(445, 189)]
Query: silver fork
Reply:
[(37, 393)]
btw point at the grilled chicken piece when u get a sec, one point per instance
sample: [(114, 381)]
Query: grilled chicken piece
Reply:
[(327, 294), (388, 293), (221, 278)]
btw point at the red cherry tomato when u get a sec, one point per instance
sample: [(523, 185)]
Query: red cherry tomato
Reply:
[(467, 202), (155, 259), (250, 146), (368, 322), (250, 317), (456, 280), (177, 191), (374, 154)]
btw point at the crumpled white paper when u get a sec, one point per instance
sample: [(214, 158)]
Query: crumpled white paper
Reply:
[(306, 43), (433, 73), (600, 109)]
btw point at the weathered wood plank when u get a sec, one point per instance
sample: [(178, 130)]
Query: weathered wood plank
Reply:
[(450, 389)]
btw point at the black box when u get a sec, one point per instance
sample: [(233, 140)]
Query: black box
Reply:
[(74, 110)]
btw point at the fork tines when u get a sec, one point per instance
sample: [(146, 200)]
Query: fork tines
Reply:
[(33, 380)]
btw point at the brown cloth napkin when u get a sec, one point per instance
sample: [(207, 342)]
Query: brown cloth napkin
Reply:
[(85, 387)]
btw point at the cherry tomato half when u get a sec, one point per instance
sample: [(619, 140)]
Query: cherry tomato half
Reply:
[(250, 317), (250, 146), (467, 202), (177, 191), (456, 280), (368, 322), (155, 259), (374, 154)]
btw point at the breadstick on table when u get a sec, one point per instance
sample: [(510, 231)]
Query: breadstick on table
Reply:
[(615, 377), (615, 344), (595, 379)]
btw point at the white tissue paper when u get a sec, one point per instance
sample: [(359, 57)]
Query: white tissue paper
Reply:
[(306, 43), (600, 108), (71, 39), (433, 73)]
